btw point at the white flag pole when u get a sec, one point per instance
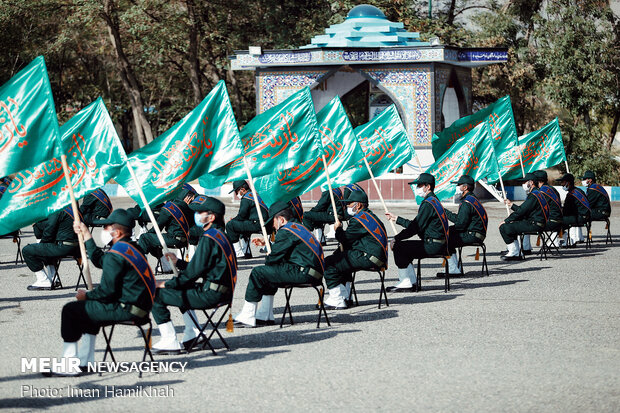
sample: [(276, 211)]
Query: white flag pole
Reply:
[(260, 215)]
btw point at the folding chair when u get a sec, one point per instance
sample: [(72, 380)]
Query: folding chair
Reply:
[(57, 283), (446, 274), (542, 252), (485, 264), (138, 323), (17, 239), (288, 290), (548, 239), (608, 239), (382, 291), (214, 327), (588, 237)]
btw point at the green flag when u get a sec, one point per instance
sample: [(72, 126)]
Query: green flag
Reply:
[(386, 147), (28, 123), (472, 155), (340, 148), (206, 138), (540, 149), (94, 155), (503, 131), (277, 139)]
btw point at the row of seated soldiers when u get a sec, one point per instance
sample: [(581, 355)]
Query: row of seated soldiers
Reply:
[(296, 257)]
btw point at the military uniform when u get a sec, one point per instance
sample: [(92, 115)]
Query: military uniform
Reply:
[(57, 241), (575, 212), (246, 222), (142, 216), (95, 205), (600, 205), (323, 212), (177, 231)]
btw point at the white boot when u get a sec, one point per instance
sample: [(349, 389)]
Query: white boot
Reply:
[(238, 250), (453, 265), (265, 310), (191, 250), (245, 246), (406, 278), (318, 234), (86, 352), (331, 233), (337, 297), (69, 362), (190, 332), (247, 315), (527, 245), (513, 249), (42, 281), (576, 235), (165, 265), (168, 344), (348, 289)]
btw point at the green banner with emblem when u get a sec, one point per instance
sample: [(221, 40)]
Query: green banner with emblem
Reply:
[(207, 138), (94, 155), (340, 148), (29, 132)]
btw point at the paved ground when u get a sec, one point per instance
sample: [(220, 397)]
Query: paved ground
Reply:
[(534, 336)]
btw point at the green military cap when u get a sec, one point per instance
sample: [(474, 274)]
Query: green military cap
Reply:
[(541, 175), (276, 207), (529, 177), (465, 179), (423, 179), (566, 177), (118, 216), (185, 190), (356, 196), (588, 175), (202, 203), (237, 185)]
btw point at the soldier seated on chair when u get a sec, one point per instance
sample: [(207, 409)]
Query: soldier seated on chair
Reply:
[(323, 213), (174, 218), (214, 261), (296, 258), (364, 246), (58, 240), (576, 210), (246, 222), (470, 223), (431, 225), (95, 206), (554, 224), (125, 293), (600, 205), (531, 216)]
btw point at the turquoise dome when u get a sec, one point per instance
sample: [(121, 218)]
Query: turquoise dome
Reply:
[(365, 10)]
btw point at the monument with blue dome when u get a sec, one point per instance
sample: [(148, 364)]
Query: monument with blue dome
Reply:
[(430, 83)]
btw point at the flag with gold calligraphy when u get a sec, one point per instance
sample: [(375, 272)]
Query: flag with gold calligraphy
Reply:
[(205, 138), (540, 149), (29, 131), (94, 155), (277, 139), (500, 119), (340, 148), (472, 155), (385, 144)]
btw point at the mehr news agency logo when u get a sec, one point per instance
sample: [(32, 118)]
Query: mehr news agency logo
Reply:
[(70, 366)]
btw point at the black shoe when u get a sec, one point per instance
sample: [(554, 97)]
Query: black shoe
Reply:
[(503, 253), (265, 323), (516, 258), (443, 275), (400, 290), (527, 252), (35, 288), (239, 324), (247, 255), (165, 352), (350, 303), (199, 343), (332, 307)]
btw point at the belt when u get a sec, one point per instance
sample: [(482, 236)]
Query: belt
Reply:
[(311, 272), (555, 220), (217, 287), (374, 260), (477, 235), (182, 239), (436, 241), (137, 311), (67, 243), (540, 224)]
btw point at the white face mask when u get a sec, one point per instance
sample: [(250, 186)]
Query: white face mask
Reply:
[(525, 186), (419, 191), (584, 183), (105, 237), (566, 188), (351, 211)]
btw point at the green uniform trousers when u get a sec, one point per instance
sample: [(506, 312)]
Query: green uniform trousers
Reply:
[(573, 221), (39, 255), (265, 280), (192, 298), (236, 228), (85, 317), (314, 219), (460, 239), (512, 230), (150, 243), (340, 266), (407, 251), (553, 226), (38, 228), (598, 215)]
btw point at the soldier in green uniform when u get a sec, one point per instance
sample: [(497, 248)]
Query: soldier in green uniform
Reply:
[(554, 224), (296, 258), (125, 293), (246, 222), (174, 218), (214, 261), (576, 210), (530, 216), (95, 206), (470, 223), (364, 248), (600, 205), (57, 241), (323, 213), (431, 225)]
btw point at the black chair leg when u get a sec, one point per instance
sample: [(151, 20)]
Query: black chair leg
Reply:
[(383, 292), (287, 306), (320, 293), (485, 264), (418, 280)]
